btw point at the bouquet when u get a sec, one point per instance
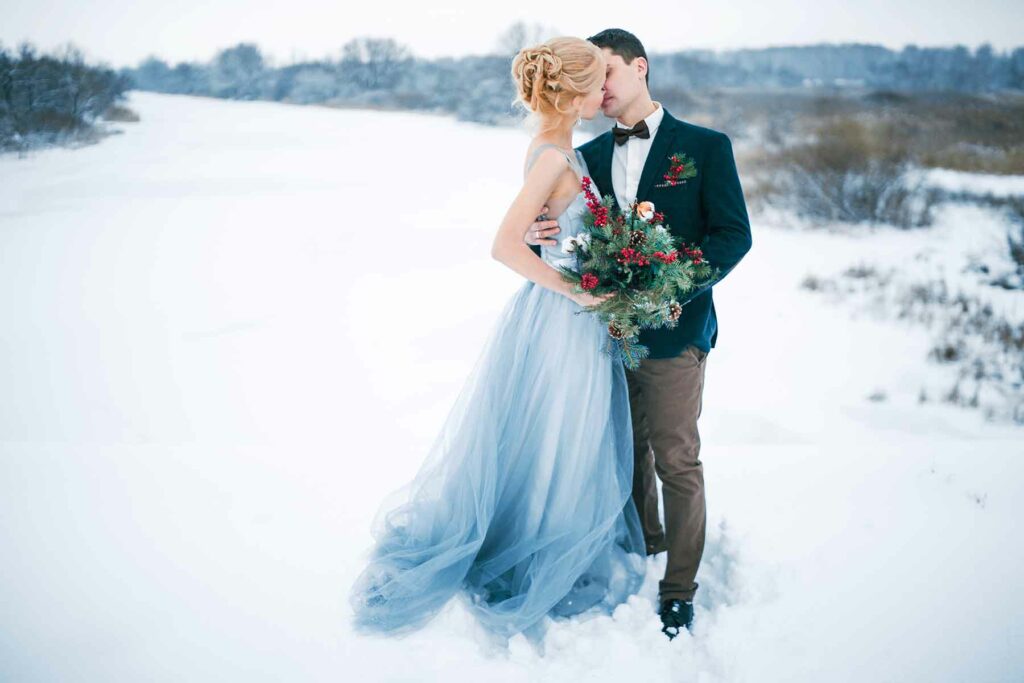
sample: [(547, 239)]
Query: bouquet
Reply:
[(635, 256)]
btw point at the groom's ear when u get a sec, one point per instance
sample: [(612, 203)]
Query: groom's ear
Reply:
[(642, 65)]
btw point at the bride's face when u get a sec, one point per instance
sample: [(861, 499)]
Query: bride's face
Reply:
[(591, 102)]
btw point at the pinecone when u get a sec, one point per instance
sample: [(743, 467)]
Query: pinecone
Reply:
[(636, 238), (674, 311), (615, 331)]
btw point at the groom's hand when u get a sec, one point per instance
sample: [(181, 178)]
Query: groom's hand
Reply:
[(541, 231)]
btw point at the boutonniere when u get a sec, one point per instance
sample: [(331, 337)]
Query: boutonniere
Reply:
[(682, 168)]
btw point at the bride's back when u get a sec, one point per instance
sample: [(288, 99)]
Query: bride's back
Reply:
[(567, 210), (568, 185)]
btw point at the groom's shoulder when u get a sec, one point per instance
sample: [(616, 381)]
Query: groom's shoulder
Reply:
[(702, 133), (594, 142)]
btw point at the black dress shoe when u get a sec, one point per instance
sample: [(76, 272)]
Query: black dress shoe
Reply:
[(675, 614)]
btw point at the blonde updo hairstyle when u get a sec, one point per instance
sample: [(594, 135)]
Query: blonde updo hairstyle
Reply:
[(549, 75)]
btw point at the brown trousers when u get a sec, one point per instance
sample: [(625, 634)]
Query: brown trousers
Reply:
[(665, 399)]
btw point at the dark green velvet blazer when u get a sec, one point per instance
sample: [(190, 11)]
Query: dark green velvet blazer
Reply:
[(707, 210)]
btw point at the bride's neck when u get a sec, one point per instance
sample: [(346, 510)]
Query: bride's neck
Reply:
[(560, 132), (562, 138)]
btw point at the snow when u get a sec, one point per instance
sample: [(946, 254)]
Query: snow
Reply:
[(231, 330), (975, 183), (927, 277)]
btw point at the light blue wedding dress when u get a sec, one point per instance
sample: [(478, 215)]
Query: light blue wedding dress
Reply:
[(522, 506)]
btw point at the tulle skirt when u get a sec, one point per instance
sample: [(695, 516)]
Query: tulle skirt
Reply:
[(522, 505)]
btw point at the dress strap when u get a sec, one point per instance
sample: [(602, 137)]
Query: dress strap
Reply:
[(572, 162)]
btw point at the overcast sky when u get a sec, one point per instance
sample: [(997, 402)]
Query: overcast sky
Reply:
[(122, 32)]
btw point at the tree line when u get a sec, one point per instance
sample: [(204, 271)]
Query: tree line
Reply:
[(46, 98), (380, 72)]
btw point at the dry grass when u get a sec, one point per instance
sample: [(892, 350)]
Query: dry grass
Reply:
[(978, 133), (849, 170)]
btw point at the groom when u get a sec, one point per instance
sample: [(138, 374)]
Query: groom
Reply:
[(630, 161)]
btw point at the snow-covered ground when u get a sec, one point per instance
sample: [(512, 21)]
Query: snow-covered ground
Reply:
[(956, 278), (974, 183), (230, 331)]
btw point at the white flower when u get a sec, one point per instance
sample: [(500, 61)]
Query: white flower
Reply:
[(645, 210), (660, 228), (570, 244)]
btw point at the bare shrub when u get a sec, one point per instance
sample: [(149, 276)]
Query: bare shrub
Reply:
[(120, 113), (855, 172)]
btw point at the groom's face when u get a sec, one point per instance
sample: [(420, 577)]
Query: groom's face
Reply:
[(623, 83)]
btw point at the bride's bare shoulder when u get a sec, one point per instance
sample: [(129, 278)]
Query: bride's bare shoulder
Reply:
[(551, 156)]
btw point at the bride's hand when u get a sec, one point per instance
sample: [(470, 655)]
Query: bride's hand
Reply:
[(588, 299)]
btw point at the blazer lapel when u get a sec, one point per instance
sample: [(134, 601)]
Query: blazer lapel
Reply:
[(657, 155), (601, 170)]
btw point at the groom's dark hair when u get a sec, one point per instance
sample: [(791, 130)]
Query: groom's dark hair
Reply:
[(624, 44)]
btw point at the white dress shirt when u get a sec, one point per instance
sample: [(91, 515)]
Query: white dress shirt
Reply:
[(628, 160)]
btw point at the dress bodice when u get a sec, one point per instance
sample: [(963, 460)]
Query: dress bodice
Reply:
[(570, 221)]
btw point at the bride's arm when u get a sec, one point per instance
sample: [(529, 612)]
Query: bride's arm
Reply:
[(509, 247)]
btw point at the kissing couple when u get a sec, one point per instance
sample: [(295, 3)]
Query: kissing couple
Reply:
[(538, 499)]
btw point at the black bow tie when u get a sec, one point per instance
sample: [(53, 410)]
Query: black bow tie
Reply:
[(622, 134)]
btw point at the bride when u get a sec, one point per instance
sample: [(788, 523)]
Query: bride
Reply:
[(522, 506)]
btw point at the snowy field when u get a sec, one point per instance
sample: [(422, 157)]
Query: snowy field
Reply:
[(230, 331)]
